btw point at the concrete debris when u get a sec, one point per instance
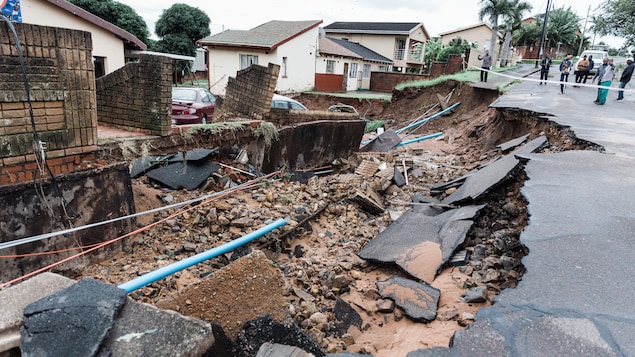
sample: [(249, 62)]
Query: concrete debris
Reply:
[(367, 168), (179, 175), (73, 321), (475, 295), (421, 244), (419, 301), (384, 142), (368, 204)]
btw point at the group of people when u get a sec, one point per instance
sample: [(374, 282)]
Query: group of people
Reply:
[(604, 75)]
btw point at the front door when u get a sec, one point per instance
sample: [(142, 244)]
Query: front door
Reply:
[(345, 78)]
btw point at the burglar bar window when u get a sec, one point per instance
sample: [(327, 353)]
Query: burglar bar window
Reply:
[(330, 66), (247, 60)]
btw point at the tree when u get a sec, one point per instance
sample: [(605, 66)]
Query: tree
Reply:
[(180, 27), (513, 22), (455, 47), (118, 14), (562, 27), (493, 9), (616, 19)]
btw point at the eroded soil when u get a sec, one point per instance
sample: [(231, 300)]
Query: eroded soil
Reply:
[(299, 278)]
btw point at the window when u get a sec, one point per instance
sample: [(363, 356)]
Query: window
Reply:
[(383, 68), (248, 60), (352, 70), (330, 66), (283, 70), (400, 49), (366, 71), (100, 66)]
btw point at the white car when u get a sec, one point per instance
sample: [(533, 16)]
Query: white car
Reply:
[(282, 102), (598, 56)]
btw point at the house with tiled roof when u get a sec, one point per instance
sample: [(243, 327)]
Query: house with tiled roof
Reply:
[(402, 42), (342, 65), (112, 46), (290, 44), (479, 36)]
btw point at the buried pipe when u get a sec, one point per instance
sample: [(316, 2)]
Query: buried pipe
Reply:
[(161, 273), (423, 121), (421, 138)]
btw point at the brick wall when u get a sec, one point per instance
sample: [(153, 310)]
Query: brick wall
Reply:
[(137, 96), (281, 117), (251, 91), (386, 81), (62, 86)]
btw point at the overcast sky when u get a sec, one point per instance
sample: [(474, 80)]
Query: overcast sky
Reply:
[(437, 15)]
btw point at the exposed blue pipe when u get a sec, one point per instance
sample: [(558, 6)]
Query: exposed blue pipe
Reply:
[(161, 273), (423, 121), (421, 138)]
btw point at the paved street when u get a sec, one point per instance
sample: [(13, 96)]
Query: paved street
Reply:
[(576, 298)]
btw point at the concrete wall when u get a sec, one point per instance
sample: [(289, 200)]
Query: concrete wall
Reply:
[(106, 44), (62, 86), (386, 81), (95, 195), (138, 96)]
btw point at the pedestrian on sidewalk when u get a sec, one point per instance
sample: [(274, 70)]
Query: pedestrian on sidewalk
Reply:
[(605, 83), (581, 70), (544, 68), (487, 64), (588, 69), (627, 73), (601, 70), (565, 68)]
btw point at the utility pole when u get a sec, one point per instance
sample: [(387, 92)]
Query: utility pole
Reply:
[(544, 30), (583, 31)]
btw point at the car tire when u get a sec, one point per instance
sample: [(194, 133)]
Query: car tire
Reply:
[(204, 119)]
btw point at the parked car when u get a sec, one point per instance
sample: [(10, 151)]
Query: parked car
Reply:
[(598, 56), (192, 105), (282, 102)]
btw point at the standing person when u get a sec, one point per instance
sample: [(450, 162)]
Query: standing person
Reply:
[(544, 68), (627, 73), (487, 64), (588, 69), (565, 68), (605, 83), (581, 70), (600, 71)]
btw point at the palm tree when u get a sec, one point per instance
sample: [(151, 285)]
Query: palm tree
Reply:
[(513, 22), (492, 9)]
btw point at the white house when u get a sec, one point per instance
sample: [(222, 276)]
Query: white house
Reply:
[(290, 44), (111, 44), (478, 35), (343, 65)]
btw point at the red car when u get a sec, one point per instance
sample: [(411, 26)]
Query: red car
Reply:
[(192, 105)]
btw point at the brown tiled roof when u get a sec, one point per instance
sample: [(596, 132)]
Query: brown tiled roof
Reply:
[(126, 36), (267, 36)]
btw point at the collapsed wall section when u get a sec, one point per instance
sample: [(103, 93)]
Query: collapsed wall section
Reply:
[(137, 96), (62, 87), (250, 93)]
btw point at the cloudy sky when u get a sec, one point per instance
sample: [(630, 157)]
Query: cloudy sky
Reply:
[(437, 15)]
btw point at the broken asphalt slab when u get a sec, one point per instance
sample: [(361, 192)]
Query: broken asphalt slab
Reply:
[(508, 145), (492, 175), (141, 165), (188, 176), (265, 329), (420, 244), (418, 300), (384, 142), (71, 322), (193, 155)]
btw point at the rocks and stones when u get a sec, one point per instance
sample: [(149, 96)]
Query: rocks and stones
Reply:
[(73, 321), (277, 350), (419, 301), (475, 295), (421, 244)]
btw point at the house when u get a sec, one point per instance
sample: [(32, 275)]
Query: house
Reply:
[(402, 42), (112, 45), (479, 36), (290, 44), (342, 65)]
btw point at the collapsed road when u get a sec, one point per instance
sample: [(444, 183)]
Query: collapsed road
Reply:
[(332, 283)]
